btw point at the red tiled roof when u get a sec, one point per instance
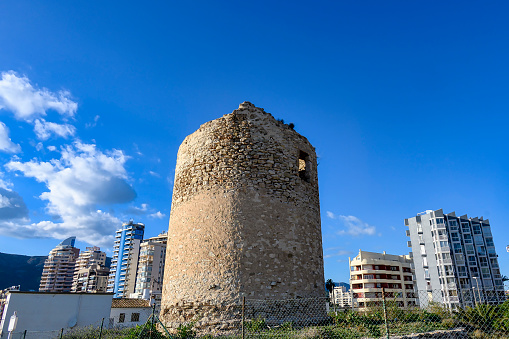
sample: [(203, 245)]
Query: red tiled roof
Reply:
[(129, 303)]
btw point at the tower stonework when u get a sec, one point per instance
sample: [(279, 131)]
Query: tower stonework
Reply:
[(245, 220)]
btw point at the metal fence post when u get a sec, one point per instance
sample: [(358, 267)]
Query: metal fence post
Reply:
[(61, 333), (385, 313), (101, 332), (25, 334), (153, 315), (243, 316)]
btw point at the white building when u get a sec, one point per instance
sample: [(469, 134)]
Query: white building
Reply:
[(43, 314), (341, 297), (58, 272), (90, 274), (151, 266), (124, 264), (129, 312), (455, 259), (372, 274)]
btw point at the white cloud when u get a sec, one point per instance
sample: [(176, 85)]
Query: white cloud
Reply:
[(331, 215), (43, 129), (354, 226), (337, 253), (81, 179), (4, 201), (6, 144), (154, 174), (143, 209), (28, 102), (92, 124), (157, 215), (52, 148)]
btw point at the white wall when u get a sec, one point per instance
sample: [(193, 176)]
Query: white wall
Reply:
[(144, 312), (42, 313)]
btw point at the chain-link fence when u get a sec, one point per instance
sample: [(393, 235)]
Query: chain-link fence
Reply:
[(379, 314)]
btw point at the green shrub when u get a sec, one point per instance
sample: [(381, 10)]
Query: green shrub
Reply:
[(186, 331), (256, 325)]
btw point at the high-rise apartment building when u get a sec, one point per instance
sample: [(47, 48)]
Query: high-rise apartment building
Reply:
[(58, 272), (151, 266), (91, 273), (455, 259), (372, 274), (124, 264)]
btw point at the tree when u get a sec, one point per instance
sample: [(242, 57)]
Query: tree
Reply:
[(329, 286)]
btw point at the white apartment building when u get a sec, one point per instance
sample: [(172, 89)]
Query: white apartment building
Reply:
[(58, 272), (91, 273), (341, 297), (124, 264), (151, 266), (372, 274), (455, 259)]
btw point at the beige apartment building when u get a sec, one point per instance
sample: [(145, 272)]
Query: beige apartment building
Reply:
[(372, 273), (58, 272), (91, 273), (151, 266)]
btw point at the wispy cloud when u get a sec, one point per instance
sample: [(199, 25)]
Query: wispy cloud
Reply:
[(6, 144), (337, 253), (157, 215), (44, 129), (27, 102), (143, 209), (154, 174), (331, 215), (355, 226), (94, 123)]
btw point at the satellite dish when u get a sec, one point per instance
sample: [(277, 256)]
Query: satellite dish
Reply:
[(72, 322)]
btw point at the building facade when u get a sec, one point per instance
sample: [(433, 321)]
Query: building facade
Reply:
[(91, 273), (455, 259), (342, 296), (43, 315), (58, 272), (373, 274), (151, 266), (124, 264)]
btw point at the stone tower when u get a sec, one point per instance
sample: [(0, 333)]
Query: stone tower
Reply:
[(245, 220)]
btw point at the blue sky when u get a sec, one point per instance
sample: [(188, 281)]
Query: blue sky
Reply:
[(405, 102)]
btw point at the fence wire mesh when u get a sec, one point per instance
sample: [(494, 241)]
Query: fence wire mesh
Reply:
[(425, 314)]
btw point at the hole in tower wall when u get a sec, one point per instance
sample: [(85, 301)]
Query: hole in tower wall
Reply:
[(304, 166)]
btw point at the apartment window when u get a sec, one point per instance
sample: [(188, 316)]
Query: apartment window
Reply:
[(121, 317), (468, 238), (135, 317), (455, 236), (477, 229), (470, 249), (489, 242), (460, 257), (423, 250)]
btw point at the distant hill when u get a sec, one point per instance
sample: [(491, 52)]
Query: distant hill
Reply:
[(23, 270)]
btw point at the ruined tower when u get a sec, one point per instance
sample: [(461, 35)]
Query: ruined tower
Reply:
[(245, 219)]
